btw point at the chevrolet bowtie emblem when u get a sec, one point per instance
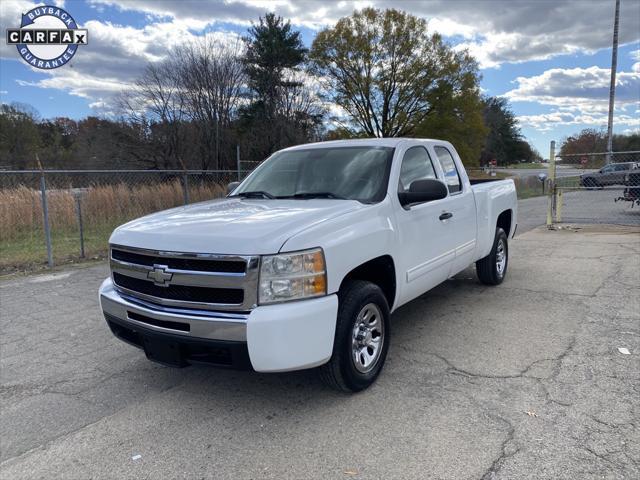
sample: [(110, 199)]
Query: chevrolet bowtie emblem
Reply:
[(160, 276)]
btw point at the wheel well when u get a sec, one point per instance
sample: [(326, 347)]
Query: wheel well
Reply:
[(504, 221), (381, 271)]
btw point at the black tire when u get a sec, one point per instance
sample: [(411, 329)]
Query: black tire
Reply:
[(487, 268), (341, 373), (590, 182)]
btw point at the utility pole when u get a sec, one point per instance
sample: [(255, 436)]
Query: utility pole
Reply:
[(612, 86)]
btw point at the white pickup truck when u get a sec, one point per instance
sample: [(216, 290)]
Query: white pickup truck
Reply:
[(302, 263)]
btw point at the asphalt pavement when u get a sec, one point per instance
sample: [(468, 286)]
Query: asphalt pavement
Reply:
[(580, 207), (523, 380), (561, 171)]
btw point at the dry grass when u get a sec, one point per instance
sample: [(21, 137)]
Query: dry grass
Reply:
[(103, 208), (528, 186)]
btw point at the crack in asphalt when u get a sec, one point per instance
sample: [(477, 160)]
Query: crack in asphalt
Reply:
[(453, 370), (499, 461)]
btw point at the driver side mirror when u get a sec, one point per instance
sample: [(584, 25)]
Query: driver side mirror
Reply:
[(232, 186), (421, 191)]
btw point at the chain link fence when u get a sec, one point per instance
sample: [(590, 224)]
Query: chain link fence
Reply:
[(59, 216), (597, 188)]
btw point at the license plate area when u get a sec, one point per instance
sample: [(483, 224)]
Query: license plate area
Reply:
[(166, 352)]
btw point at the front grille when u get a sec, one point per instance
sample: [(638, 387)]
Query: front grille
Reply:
[(231, 296), (194, 264)]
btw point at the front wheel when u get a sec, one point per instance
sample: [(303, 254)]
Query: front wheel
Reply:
[(361, 339), (492, 269)]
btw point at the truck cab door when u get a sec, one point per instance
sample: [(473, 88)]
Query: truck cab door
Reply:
[(460, 205), (425, 249)]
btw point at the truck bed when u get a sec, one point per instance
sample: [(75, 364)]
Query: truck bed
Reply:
[(475, 181), (493, 196)]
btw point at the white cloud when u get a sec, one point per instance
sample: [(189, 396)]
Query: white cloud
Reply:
[(496, 31), (577, 88), (116, 57), (580, 96), (10, 14), (635, 55), (550, 121)]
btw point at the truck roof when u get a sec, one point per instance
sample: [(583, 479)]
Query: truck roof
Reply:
[(374, 142)]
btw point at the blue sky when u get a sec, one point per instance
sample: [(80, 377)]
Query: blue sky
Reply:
[(550, 58)]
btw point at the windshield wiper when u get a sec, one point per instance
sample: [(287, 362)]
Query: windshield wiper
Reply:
[(305, 195), (254, 194)]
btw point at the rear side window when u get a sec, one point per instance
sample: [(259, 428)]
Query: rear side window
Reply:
[(451, 175), (416, 165)]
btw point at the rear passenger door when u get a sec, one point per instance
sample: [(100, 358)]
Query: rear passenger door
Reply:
[(460, 207), (425, 253)]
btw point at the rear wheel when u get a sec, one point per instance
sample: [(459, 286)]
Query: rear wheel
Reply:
[(492, 269), (361, 339), (590, 182)]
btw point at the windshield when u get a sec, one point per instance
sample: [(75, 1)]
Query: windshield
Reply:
[(354, 173)]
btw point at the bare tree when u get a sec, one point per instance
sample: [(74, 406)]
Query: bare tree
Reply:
[(300, 106), (212, 80), (156, 105)]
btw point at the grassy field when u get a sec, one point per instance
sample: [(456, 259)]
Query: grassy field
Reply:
[(526, 187), (104, 207), (528, 166)]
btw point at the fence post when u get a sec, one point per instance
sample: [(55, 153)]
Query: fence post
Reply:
[(238, 160), (78, 196), (185, 188), (558, 205), (551, 176), (45, 215)]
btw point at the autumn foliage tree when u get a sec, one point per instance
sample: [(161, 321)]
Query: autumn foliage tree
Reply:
[(591, 140), (392, 77)]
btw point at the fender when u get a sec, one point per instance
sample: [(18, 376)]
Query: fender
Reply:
[(349, 240)]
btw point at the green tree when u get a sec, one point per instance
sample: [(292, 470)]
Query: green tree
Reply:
[(504, 141), (272, 48), (458, 115), (19, 136), (284, 110), (591, 140), (387, 72)]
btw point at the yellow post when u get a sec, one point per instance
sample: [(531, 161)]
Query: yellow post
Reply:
[(551, 178), (559, 206)]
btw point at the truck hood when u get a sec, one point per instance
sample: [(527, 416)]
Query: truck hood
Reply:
[(229, 226)]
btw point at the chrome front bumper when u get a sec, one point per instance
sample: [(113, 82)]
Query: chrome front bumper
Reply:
[(276, 338), (202, 324)]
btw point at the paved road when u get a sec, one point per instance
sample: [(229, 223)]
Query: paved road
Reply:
[(520, 381), (561, 171)]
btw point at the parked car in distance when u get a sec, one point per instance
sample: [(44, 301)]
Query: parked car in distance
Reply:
[(302, 263), (611, 174)]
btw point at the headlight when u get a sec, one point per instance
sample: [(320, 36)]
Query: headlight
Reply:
[(292, 276)]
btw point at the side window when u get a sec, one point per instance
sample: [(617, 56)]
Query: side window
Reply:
[(416, 165), (451, 175)]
